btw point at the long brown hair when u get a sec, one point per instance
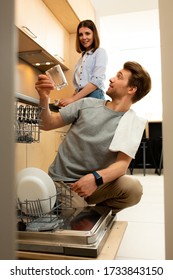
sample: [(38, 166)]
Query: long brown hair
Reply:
[(96, 42)]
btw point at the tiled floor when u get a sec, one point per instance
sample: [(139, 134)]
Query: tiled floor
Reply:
[(144, 236)]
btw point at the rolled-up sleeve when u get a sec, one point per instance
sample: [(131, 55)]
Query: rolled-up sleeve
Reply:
[(98, 76)]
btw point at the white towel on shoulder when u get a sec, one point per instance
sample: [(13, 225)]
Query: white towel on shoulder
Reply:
[(128, 134)]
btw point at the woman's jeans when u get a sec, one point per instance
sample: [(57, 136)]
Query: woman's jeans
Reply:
[(98, 93)]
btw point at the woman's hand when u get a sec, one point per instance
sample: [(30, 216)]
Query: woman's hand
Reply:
[(43, 86), (64, 102)]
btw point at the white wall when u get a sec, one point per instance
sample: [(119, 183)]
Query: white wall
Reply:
[(135, 36)]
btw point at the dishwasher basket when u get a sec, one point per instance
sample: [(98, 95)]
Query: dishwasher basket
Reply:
[(27, 123), (32, 218)]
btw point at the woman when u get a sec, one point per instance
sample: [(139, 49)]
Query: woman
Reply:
[(89, 74)]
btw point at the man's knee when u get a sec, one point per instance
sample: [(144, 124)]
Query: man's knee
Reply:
[(135, 190), (132, 188)]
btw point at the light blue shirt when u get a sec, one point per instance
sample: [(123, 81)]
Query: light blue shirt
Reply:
[(91, 68)]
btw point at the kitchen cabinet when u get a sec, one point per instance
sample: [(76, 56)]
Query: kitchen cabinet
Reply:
[(65, 14), (83, 11), (57, 40), (42, 154), (20, 156), (38, 22), (30, 18), (70, 13), (39, 155)]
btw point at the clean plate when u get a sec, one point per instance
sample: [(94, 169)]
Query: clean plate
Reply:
[(34, 184)]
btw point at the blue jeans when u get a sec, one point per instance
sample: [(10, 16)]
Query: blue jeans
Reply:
[(98, 93)]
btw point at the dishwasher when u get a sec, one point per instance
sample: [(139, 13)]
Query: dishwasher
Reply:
[(62, 229)]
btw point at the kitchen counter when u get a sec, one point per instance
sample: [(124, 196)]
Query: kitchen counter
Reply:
[(108, 252)]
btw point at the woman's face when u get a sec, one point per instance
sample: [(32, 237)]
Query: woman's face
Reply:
[(86, 37)]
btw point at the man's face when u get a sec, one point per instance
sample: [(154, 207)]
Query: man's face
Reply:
[(119, 84)]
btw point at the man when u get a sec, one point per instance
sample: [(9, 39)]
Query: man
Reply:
[(103, 138)]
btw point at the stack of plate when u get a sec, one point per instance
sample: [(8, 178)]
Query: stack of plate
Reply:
[(34, 184)]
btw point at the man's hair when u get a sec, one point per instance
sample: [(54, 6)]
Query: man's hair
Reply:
[(96, 42), (140, 78)]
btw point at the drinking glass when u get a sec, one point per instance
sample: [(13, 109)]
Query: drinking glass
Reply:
[(57, 77)]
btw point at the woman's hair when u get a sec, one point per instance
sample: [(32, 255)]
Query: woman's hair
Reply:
[(140, 78), (96, 41)]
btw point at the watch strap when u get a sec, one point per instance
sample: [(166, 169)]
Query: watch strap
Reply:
[(98, 178)]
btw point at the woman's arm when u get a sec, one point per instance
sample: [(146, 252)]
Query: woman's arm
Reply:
[(81, 94), (96, 80)]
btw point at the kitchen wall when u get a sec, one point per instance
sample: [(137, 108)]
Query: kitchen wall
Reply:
[(135, 36)]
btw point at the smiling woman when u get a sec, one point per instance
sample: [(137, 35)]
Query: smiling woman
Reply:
[(89, 74)]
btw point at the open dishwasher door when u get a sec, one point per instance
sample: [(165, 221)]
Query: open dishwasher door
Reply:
[(81, 232)]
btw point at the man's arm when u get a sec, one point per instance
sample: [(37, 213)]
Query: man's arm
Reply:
[(116, 169), (49, 121), (86, 185)]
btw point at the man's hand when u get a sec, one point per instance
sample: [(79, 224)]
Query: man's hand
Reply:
[(43, 85), (85, 186)]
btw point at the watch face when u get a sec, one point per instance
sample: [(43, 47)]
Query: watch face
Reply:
[(98, 179)]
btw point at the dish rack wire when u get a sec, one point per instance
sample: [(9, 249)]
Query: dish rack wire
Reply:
[(30, 212), (27, 119)]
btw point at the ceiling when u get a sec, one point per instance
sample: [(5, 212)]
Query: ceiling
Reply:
[(113, 7)]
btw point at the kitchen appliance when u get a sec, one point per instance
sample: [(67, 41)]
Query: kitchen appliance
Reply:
[(62, 229), (76, 231), (27, 119), (27, 122)]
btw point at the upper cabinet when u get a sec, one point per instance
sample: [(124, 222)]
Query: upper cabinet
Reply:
[(31, 17), (35, 19), (49, 24), (65, 13), (83, 11), (57, 40)]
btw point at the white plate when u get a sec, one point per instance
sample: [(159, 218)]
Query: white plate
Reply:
[(33, 184)]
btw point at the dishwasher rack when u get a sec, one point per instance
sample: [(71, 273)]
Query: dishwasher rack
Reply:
[(27, 119), (31, 216)]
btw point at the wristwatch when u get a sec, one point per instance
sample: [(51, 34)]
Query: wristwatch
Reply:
[(98, 178)]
